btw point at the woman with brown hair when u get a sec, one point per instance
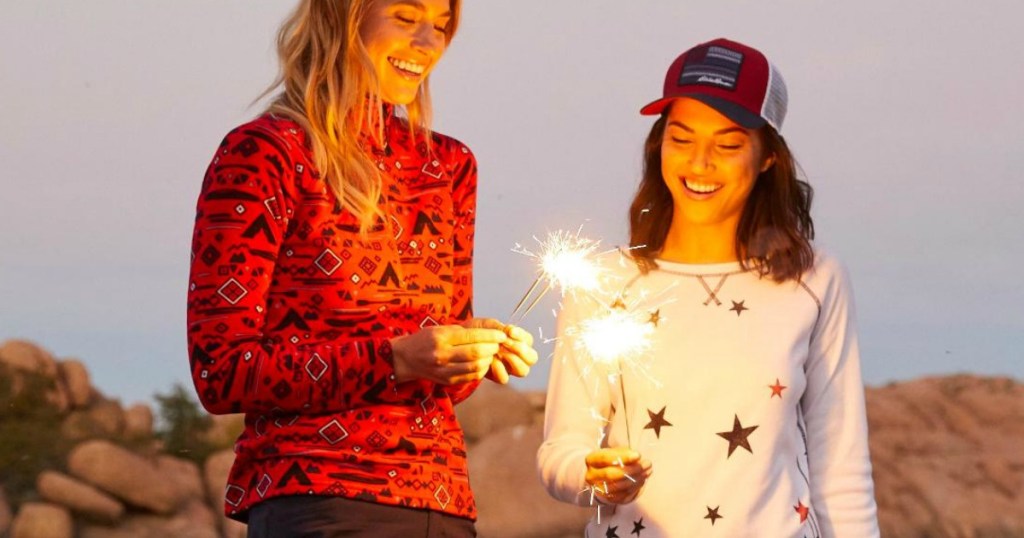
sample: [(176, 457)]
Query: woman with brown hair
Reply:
[(746, 417), (330, 295)]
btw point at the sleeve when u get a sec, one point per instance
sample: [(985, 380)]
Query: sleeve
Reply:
[(842, 490), (464, 177), (577, 415), (242, 217)]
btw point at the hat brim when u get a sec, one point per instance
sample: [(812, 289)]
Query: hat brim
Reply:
[(734, 112)]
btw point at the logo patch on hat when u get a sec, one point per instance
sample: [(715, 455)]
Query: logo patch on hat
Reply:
[(717, 66)]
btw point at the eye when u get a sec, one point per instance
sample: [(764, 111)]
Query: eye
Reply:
[(729, 147), (680, 140), (405, 18)]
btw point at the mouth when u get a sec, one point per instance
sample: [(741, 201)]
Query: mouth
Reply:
[(407, 67), (701, 188)]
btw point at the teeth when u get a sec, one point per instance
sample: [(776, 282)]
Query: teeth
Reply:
[(701, 187), (411, 67)]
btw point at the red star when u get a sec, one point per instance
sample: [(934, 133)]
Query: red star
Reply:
[(777, 389), (802, 510)]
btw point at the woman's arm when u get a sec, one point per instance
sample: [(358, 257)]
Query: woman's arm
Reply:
[(576, 416), (842, 491)]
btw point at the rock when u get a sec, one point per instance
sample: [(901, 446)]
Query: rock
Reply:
[(138, 421), (224, 430), (511, 501), (184, 475), (491, 408), (104, 419), (76, 378), (5, 513), (81, 498), (127, 476), (215, 473), (941, 449), (150, 526), (24, 355), (42, 520)]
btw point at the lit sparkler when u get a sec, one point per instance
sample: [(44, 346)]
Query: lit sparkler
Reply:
[(565, 260)]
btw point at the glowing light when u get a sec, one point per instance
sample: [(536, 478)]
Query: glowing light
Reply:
[(615, 335), (566, 261)]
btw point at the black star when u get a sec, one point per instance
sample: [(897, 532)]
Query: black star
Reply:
[(610, 533), (738, 436), (657, 421), (738, 308), (713, 515), (638, 526), (655, 317)]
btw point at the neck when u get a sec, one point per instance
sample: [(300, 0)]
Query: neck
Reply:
[(700, 244)]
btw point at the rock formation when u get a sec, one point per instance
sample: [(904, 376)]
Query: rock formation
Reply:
[(946, 455)]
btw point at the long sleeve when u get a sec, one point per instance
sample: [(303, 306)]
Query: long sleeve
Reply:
[(576, 416), (245, 208), (842, 492), (464, 178)]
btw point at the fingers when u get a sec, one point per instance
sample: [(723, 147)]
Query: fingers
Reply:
[(498, 373), (475, 335), (617, 456)]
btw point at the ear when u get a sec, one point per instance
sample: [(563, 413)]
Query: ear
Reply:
[(768, 162)]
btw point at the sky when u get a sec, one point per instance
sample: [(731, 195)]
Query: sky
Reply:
[(905, 116)]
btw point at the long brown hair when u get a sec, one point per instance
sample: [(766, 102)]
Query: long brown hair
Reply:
[(775, 230), (330, 88)]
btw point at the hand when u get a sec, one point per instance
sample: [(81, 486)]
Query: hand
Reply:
[(516, 355), (617, 474), (446, 354)]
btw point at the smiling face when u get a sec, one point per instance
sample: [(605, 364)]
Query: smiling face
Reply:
[(709, 164), (404, 40)]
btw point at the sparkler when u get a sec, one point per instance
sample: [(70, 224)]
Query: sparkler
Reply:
[(566, 261)]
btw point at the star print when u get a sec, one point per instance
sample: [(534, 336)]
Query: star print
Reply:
[(777, 389), (802, 510), (655, 317), (738, 308), (619, 303), (638, 526), (611, 532), (713, 515), (738, 436), (657, 421)]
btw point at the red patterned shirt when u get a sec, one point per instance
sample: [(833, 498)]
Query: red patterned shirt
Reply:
[(290, 312)]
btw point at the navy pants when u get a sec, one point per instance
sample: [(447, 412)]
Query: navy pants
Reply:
[(338, 517)]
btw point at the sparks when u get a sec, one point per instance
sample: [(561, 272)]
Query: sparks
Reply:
[(566, 261), (615, 335)]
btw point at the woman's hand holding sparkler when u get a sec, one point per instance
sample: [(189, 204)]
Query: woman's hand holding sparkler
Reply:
[(516, 354), (617, 475), (447, 354)]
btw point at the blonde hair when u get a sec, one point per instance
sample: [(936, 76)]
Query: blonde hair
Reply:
[(330, 88)]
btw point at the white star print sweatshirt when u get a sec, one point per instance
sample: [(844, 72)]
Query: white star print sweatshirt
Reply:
[(749, 403)]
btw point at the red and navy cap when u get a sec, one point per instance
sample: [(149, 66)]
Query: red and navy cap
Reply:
[(730, 77)]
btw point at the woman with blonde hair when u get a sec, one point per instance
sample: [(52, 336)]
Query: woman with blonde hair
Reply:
[(330, 294)]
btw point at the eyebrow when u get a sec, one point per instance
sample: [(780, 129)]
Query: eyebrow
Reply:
[(727, 130), (419, 5)]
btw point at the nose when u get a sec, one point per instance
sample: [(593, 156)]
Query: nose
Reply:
[(701, 161), (428, 40)]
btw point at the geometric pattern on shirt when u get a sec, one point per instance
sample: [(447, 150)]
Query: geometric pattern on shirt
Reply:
[(738, 436)]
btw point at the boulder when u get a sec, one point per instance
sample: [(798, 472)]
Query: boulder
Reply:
[(215, 474), (224, 430), (5, 513), (42, 520), (104, 419), (510, 499), (138, 421), (942, 448), (184, 475), (76, 378), (22, 355), (80, 497), (124, 474), (491, 408)]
